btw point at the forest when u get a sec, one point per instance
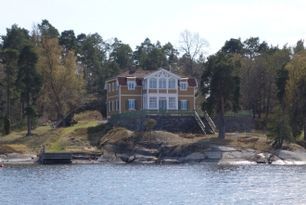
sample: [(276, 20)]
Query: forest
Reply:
[(45, 73)]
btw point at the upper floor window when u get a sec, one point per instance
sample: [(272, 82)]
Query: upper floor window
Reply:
[(131, 85), (162, 83), (183, 85), (172, 83), (153, 83)]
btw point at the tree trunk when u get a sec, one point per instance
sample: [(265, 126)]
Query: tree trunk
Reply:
[(8, 106), (29, 114), (221, 119), (29, 124), (304, 129)]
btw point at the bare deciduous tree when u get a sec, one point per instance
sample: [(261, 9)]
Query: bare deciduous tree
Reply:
[(192, 46)]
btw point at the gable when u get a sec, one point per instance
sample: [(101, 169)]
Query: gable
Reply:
[(162, 73)]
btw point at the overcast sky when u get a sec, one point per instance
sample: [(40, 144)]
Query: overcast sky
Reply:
[(276, 21)]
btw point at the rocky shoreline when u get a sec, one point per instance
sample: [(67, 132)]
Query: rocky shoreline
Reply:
[(120, 145), (222, 155)]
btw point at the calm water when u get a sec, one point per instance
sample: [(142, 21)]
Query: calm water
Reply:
[(140, 184)]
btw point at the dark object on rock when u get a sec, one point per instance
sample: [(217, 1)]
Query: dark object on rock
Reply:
[(127, 159)]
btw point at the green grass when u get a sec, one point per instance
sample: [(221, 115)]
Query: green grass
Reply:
[(77, 138)]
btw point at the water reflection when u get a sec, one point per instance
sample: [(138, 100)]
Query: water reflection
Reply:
[(158, 184)]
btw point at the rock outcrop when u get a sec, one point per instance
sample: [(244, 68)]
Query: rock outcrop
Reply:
[(164, 148)]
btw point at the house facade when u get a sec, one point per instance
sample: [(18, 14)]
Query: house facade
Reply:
[(159, 90)]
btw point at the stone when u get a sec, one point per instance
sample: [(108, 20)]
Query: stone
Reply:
[(196, 156), (213, 155), (289, 155)]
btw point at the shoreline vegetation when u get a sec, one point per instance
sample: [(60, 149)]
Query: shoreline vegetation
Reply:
[(119, 145), (50, 75)]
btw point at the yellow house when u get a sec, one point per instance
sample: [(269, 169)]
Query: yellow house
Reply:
[(150, 90)]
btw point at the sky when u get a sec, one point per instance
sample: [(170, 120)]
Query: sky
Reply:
[(278, 22)]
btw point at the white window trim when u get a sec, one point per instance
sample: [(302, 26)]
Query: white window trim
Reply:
[(131, 104), (170, 103), (156, 103), (131, 84), (185, 102), (183, 83), (164, 80), (151, 83), (170, 79)]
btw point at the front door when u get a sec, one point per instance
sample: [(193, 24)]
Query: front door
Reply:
[(162, 103)]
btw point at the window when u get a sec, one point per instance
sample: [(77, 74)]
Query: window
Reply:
[(131, 85), (153, 103), (131, 104), (172, 83), (153, 83), (162, 83), (172, 102), (184, 105), (183, 85), (117, 105)]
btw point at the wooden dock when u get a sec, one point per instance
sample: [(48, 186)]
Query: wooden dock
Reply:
[(55, 158)]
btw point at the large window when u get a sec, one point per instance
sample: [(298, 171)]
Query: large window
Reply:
[(131, 84), (153, 83), (172, 102), (183, 85), (184, 104), (172, 83), (162, 83), (131, 104), (153, 102)]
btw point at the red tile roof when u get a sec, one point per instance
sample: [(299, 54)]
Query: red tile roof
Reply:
[(122, 80), (192, 82), (140, 74)]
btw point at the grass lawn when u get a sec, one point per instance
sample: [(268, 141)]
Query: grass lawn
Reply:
[(78, 138)]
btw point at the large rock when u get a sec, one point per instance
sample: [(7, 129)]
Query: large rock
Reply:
[(292, 156), (194, 157), (213, 155), (17, 158)]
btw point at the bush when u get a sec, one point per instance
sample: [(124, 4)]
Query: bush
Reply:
[(150, 124), (279, 129)]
